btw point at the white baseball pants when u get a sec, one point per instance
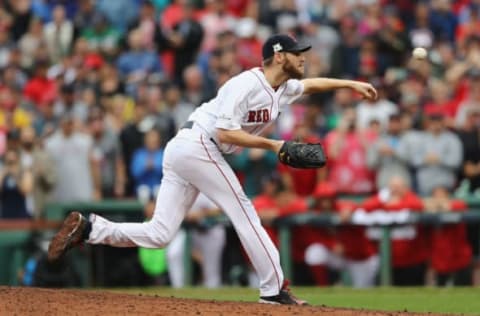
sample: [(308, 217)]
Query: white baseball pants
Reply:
[(193, 163)]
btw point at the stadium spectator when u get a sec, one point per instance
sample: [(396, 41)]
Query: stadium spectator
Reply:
[(372, 19), (193, 92), (348, 171), (434, 167), (379, 110), (393, 41), (158, 112), (383, 156), (276, 201), (138, 63), (185, 39), (342, 100), (442, 100), (22, 15), (473, 98), (146, 166), (71, 151), (6, 46), (470, 25), (14, 77), (100, 36), (322, 250), (266, 205), (215, 21), (58, 34), (179, 108), (68, 103), (249, 47), (30, 42), (16, 184), (323, 38), (131, 138), (40, 88), (409, 249), (109, 83), (12, 115), (443, 21), (451, 255), (420, 33), (350, 249), (172, 13), (105, 155), (84, 17), (147, 24), (45, 121), (345, 54), (470, 137), (35, 159), (120, 13)]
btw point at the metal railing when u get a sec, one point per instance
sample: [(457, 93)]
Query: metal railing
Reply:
[(123, 210)]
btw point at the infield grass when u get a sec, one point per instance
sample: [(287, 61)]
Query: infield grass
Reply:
[(421, 299)]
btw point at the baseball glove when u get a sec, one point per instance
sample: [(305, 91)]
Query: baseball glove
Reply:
[(302, 155)]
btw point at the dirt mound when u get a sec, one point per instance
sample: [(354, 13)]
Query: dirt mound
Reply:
[(38, 301)]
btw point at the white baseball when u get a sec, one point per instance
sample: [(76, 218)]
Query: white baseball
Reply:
[(420, 53)]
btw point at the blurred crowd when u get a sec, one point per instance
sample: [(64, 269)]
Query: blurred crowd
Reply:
[(92, 90)]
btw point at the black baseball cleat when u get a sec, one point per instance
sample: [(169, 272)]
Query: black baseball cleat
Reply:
[(285, 297), (72, 233)]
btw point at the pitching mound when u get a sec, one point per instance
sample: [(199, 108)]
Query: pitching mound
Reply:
[(37, 301)]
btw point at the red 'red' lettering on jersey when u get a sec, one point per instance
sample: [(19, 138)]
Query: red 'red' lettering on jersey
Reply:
[(251, 116), (266, 115), (258, 116)]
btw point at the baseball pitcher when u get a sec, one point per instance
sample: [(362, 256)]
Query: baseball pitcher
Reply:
[(193, 161)]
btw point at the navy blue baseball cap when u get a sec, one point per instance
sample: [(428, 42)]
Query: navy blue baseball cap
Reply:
[(282, 43)]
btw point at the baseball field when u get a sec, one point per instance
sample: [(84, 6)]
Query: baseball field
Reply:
[(238, 301)]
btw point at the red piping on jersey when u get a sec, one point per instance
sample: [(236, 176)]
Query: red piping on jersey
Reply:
[(263, 85), (243, 209)]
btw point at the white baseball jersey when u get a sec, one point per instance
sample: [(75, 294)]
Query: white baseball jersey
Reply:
[(248, 102)]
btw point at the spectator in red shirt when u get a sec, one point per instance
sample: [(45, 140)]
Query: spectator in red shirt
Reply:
[(40, 87), (409, 249), (347, 248), (451, 255), (443, 101), (249, 47), (266, 204), (278, 201), (346, 153)]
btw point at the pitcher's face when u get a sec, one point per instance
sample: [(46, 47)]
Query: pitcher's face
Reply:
[(294, 65)]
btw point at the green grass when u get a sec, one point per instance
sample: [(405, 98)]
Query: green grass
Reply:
[(440, 300)]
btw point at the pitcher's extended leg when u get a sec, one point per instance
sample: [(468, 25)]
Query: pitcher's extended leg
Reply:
[(174, 198)]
